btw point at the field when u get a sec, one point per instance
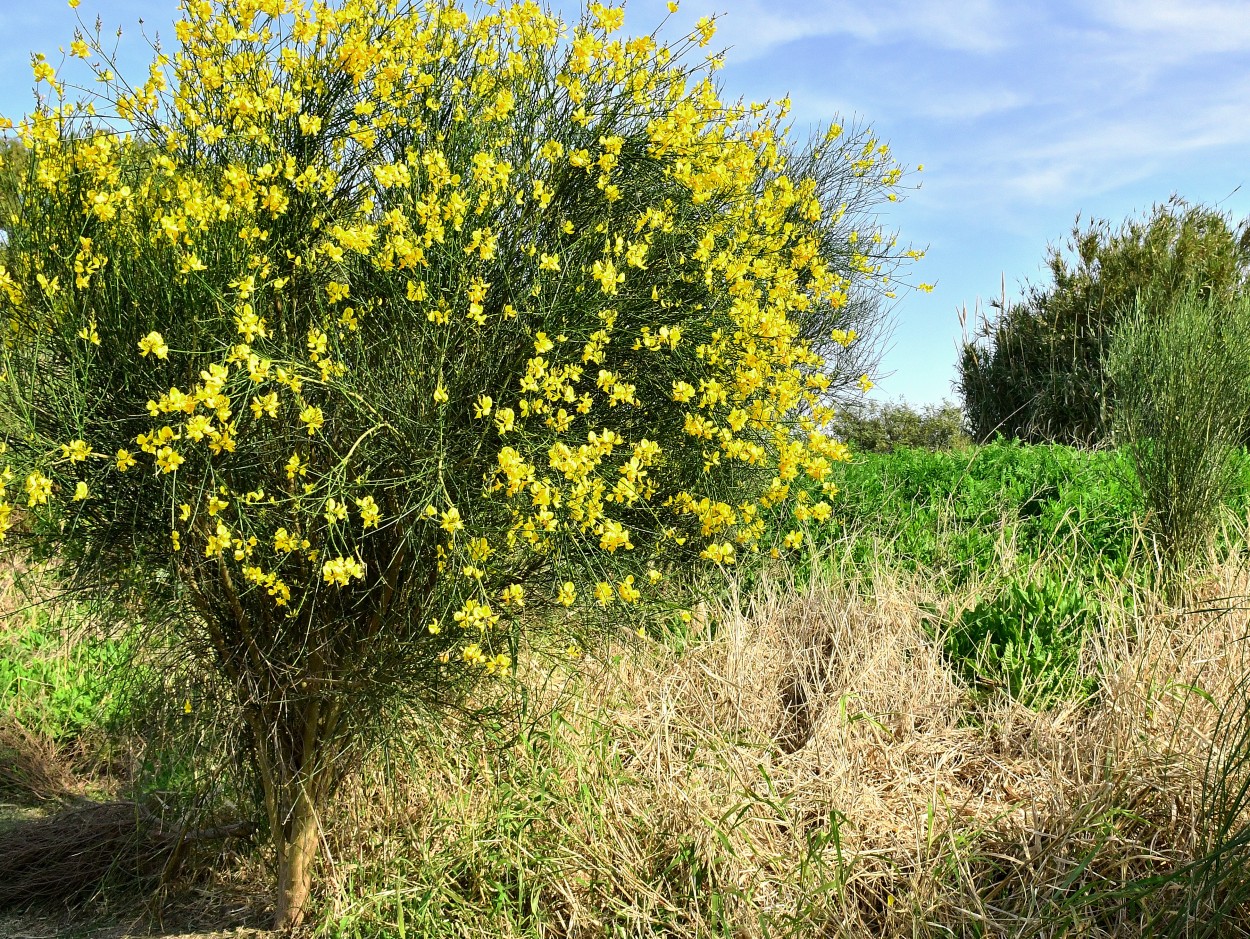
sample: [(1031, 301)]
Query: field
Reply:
[(968, 708)]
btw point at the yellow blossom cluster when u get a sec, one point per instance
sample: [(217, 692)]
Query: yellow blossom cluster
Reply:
[(401, 325)]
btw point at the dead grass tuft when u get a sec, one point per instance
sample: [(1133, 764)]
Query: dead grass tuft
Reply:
[(68, 855), (32, 770), (810, 766)]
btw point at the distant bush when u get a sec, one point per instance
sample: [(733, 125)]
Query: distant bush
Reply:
[(874, 427), (1034, 371)]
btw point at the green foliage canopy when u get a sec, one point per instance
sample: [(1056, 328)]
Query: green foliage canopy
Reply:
[(1034, 372)]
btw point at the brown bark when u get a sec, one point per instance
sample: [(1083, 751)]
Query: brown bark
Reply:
[(305, 778), (296, 853)]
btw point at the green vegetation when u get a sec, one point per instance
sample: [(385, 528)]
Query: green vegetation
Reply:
[(54, 687), (1182, 410), (1035, 371), (874, 427), (964, 514), (1026, 642)]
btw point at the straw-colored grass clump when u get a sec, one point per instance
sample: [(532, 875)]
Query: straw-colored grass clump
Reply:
[(809, 765)]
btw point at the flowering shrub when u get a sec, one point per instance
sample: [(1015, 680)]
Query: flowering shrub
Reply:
[(388, 334)]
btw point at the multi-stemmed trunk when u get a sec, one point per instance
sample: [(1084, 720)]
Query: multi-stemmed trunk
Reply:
[(299, 760)]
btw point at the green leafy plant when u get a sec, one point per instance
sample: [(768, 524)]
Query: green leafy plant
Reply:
[(955, 513), (56, 689), (1026, 642)]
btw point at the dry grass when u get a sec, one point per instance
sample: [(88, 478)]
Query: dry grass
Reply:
[(810, 766), (32, 769), (69, 854), (803, 764)]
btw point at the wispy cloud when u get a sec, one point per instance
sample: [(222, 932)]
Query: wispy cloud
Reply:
[(1179, 30), (969, 104), (754, 28)]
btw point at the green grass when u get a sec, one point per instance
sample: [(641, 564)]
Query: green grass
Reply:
[(55, 687), (997, 510)]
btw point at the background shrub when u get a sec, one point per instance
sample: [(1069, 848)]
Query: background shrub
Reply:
[(877, 427), (1182, 404), (1034, 371)]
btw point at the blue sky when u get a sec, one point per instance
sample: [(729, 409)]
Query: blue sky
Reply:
[(1024, 114)]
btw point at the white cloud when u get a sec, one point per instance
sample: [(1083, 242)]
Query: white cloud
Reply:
[(963, 104), (1179, 31), (755, 28), (1094, 152)]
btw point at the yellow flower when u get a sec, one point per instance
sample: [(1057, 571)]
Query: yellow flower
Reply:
[(604, 593), (368, 512), (168, 460), (482, 406), (865, 383), (719, 553), (38, 488), (176, 539), (614, 536), (627, 591), (153, 343), (440, 395), (125, 460), (341, 570), (313, 419), (335, 511), (75, 451), (567, 594), (451, 521), (295, 466), (81, 492)]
